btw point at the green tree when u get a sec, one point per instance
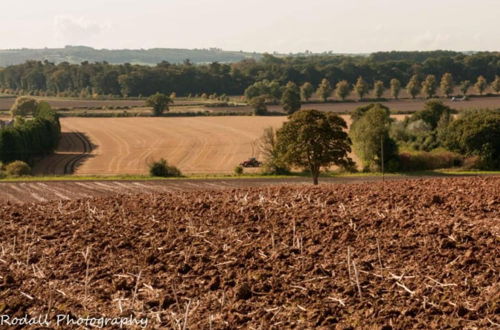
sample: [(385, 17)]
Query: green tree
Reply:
[(271, 90), (476, 133), (324, 90), (378, 89), (275, 90), (369, 134), (495, 85), (432, 112), (395, 88), (259, 106), (464, 87), (361, 87), (291, 98), (268, 147), (313, 139), (360, 111), (429, 86), (413, 87), (447, 85), (24, 106), (159, 102), (306, 91), (481, 85), (342, 89)]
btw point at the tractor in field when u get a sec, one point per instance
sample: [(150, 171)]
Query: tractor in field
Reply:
[(251, 162)]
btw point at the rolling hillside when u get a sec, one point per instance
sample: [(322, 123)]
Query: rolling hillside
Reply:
[(78, 54)]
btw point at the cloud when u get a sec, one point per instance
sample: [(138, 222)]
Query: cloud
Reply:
[(429, 41), (74, 30)]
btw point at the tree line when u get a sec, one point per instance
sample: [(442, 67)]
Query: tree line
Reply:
[(291, 96), (87, 79)]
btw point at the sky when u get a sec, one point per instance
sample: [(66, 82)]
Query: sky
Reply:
[(283, 26)]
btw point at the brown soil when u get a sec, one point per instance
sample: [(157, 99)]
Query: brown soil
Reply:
[(43, 191), (400, 254)]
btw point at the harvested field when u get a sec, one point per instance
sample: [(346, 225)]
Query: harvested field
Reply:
[(194, 144), (402, 105), (114, 146), (57, 103), (400, 254), (68, 103), (185, 105)]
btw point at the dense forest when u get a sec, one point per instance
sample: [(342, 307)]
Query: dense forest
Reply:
[(78, 54), (85, 79)]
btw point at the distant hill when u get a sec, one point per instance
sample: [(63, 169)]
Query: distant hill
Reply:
[(78, 54)]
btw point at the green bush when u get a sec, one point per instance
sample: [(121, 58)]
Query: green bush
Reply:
[(17, 168), (476, 133), (273, 168), (238, 170), (423, 160), (161, 168)]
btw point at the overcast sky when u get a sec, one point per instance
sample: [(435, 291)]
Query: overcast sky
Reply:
[(349, 26)]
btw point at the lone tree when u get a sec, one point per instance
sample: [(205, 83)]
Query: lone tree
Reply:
[(378, 89), (447, 85), (24, 106), (313, 139), (413, 86), (429, 86), (324, 90), (395, 88), (306, 91), (159, 102), (481, 85), (361, 87), (495, 85), (342, 89), (259, 106), (464, 87), (291, 98)]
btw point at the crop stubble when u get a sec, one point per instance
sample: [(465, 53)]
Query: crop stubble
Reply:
[(402, 254)]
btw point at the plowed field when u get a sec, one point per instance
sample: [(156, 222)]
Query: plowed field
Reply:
[(400, 254)]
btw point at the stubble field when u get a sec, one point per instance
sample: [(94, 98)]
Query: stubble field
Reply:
[(116, 146), (194, 144), (400, 254)]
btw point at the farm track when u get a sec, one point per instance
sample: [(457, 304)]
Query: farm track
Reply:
[(413, 254), (73, 149)]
